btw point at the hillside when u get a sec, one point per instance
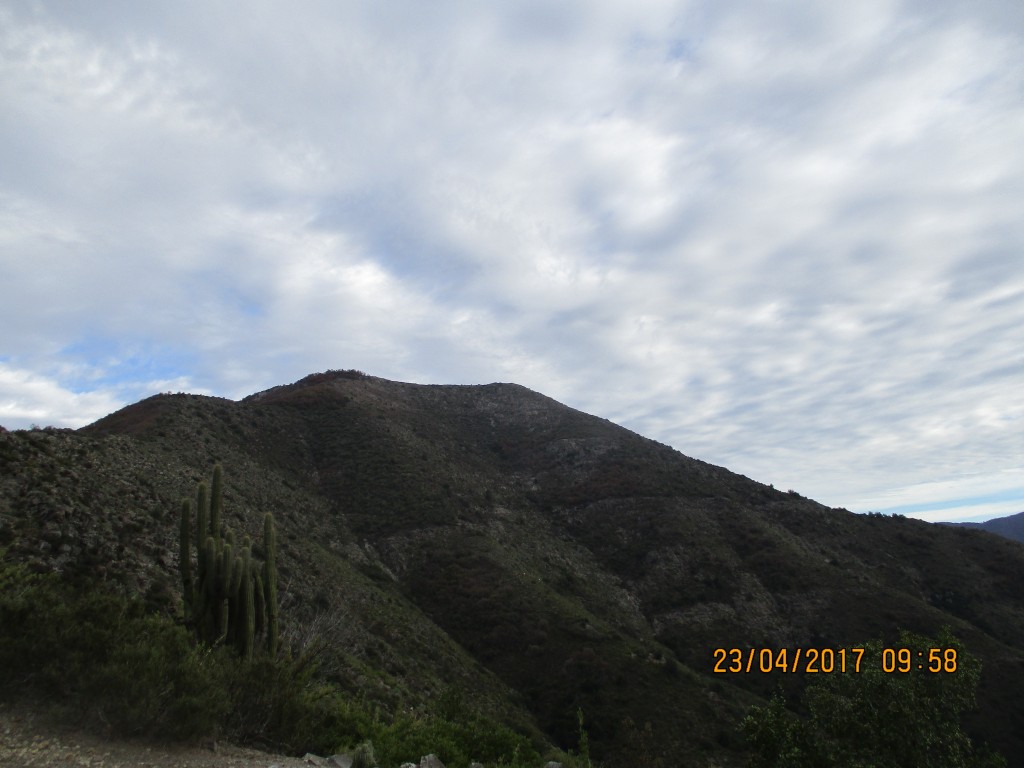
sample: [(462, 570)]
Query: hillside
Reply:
[(537, 559), (1011, 526)]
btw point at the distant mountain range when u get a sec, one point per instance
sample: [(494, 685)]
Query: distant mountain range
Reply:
[(537, 559), (1011, 526)]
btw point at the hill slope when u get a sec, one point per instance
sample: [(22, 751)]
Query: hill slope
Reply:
[(1011, 526), (538, 559)]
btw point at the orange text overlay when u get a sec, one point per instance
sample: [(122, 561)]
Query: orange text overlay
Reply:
[(830, 660)]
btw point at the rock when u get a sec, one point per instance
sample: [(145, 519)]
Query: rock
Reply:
[(431, 761), (311, 759), (553, 764), (341, 760), (408, 765), (476, 765)]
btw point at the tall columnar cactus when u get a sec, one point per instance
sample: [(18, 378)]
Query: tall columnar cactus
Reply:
[(261, 601), (225, 566), (202, 513), (247, 608), (185, 558), (234, 607), (207, 560), (270, 582), (229, 598), (210, 609)]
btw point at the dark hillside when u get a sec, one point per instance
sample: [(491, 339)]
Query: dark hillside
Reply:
[(542, 559)]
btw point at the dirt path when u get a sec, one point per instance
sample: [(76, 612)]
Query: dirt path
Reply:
[(28, 740)]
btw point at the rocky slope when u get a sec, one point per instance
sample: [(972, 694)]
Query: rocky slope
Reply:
[(539, 559)]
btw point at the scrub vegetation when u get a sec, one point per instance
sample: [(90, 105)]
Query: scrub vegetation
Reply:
[(454, 561)]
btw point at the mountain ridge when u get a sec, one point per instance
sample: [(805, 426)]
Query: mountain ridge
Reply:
[(541, 559), (1010, 526)]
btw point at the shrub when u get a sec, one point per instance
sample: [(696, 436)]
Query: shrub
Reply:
[(141, 673), (156, 681), (476, 738), (363, 756), (909, 718), (138, 673)]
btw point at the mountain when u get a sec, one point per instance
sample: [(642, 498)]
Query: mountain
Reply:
[(537, 559), (1011, 526)]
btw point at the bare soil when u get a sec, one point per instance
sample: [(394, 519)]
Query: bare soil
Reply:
[(29, 738)]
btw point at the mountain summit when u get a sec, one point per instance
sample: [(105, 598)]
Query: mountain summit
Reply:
[(538, 560)]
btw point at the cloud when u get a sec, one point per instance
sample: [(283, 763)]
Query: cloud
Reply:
[(980, 495), (29, 400), (785, 240)]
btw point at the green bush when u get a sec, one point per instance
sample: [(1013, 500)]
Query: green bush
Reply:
[(144, 674), (455, 742), (138, 673), (155, 680), (907, 718), (276, 703)]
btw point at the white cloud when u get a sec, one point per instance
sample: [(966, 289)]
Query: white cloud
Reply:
[(960, 496), (29, 399), (782, 239)]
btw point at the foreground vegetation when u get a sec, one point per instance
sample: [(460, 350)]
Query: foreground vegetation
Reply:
[(138, 673), (902, 709), (201, 675), (541, 560), (134, 672)]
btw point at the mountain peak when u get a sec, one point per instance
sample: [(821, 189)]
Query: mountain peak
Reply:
[(546, 559)]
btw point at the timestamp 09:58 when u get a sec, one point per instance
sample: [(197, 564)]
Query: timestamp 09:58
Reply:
[(830, 660)]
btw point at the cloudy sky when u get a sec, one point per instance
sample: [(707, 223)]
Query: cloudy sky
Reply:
[(786, 237)]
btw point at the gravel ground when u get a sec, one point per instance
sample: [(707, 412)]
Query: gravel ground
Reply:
[(29, 739)]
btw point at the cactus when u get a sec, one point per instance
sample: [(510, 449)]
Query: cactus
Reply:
[(185, 558), (247, 608), (228, 597), (225, 559), (270, 582), (202, 513), (261, 601), (225, 566), (236, 577), (208, 616), (363, 757), (210, 567), (234, 593)]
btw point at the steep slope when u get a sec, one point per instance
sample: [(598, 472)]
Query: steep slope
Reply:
[(540, 559)]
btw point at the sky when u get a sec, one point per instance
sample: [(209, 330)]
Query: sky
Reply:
[(785, 238)]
